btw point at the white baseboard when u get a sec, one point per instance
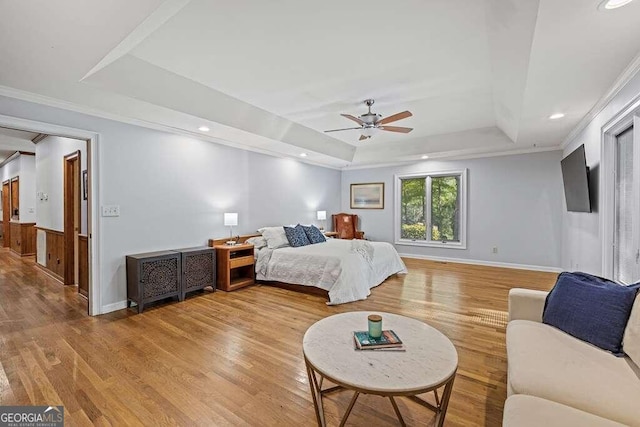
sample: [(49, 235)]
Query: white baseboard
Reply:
[(486, 263), (113, 307)]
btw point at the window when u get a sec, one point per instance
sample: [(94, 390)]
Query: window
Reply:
[(431, 209)]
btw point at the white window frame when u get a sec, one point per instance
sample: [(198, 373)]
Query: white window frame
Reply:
[(462, 244), (618, 124)]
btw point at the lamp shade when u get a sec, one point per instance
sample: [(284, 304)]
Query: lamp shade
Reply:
[(322, 215), (230, 219)]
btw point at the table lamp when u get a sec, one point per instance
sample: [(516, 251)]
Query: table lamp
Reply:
[(322, 216), (231, 219)]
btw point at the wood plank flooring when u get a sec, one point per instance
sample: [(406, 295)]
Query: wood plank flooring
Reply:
[(233, 359)]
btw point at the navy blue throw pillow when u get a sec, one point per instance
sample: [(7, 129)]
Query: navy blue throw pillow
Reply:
[(314, 234), (296, 236), (590, 308)]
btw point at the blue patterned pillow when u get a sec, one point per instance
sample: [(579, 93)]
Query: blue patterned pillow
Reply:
[(296, 236), (314, 235)]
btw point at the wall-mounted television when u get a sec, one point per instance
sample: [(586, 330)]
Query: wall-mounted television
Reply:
[(575, 176)]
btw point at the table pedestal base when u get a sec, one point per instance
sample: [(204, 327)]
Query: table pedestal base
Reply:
[(315, 383)]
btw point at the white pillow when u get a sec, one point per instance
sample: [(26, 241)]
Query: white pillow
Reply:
[(275, 236), (258, 242), (631, 339)]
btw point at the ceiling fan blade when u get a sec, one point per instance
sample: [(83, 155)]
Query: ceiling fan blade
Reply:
[(395, 117), (396, 129), (362, 137), (338, 130), (355, 119)]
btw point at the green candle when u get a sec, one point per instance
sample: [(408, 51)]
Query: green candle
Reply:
[(375, 325)]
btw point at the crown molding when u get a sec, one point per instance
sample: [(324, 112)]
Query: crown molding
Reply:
[(632, 69)]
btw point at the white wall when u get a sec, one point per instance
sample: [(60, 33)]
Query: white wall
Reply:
[(27, 189), (514, 204), (10, 169), (582, 242), (23, 166), (173, 190), (49, 167)]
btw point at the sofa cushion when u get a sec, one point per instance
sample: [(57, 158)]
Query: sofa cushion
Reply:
[(530, 411), (545, 362), (631, 339), (591, 308)]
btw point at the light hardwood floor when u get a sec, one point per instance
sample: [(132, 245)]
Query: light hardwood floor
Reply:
[(236, 358)]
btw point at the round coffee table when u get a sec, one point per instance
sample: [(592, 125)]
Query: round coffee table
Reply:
[(428, 364)]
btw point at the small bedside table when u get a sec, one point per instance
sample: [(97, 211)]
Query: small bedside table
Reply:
[(235, 266), (330, 234)]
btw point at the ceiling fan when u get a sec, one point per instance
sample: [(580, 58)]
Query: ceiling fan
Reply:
[(370, 122)]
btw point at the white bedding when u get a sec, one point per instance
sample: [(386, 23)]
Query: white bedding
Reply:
[(348, 269)]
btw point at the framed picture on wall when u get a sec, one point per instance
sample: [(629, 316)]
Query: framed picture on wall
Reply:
[(85, 185), (367, 196)]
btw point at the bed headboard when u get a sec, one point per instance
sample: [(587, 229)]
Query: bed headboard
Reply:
[(239, 239)]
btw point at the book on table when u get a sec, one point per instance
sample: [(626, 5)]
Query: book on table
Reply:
[(388, 340)]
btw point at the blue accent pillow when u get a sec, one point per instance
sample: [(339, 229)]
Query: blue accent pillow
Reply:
[(296, 236), (590, 308), (314, 234)]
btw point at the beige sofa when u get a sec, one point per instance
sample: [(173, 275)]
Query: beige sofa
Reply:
[(555, 379)]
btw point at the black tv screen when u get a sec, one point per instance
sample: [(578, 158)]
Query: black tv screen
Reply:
[(576, 181)]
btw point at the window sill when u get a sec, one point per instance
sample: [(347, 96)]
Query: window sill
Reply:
[(450, 245)]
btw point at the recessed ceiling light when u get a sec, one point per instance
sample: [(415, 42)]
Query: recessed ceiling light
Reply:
[(303, 154), (203, 129), (556, 116), (613, 4), (425, 157)]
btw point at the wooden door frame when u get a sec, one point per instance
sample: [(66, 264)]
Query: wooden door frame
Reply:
[(72, 168), (11, 207), (6, 214)]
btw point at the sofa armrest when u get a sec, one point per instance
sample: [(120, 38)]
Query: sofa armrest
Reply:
[(526, 304)]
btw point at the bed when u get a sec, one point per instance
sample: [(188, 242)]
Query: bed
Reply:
[(346, 269)]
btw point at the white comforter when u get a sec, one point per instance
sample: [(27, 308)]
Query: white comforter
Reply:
[(348, 269)]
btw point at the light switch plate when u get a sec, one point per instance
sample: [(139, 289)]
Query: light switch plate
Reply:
[(111, 210)]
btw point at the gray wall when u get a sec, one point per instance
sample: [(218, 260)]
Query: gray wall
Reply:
[(515, 204), (173, 190), (582, 242)]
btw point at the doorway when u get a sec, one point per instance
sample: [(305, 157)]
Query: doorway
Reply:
[(626, 226), (6, 214), (76, 261), (91, 232)]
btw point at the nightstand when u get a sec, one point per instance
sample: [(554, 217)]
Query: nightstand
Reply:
[(235, 266), (330, 234)]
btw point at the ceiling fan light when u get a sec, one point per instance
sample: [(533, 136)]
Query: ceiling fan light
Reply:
[(369, 131), (613, 4)]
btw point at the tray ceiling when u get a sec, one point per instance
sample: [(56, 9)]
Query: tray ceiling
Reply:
[(479, 76)]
